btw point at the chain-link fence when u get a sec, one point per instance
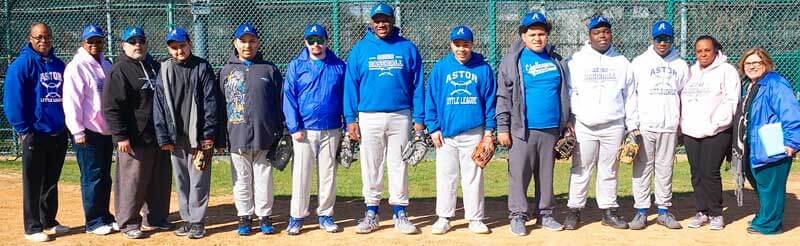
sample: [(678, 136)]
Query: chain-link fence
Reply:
[(737, 24)]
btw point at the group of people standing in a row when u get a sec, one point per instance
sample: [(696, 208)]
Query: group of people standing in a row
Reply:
[(157, 113)]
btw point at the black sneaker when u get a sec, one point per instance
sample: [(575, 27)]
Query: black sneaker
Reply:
[(183, 230), (573, 218), (197, 231), (612, 219), (244, 225)]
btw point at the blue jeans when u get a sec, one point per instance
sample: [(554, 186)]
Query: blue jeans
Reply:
[(94, 160)]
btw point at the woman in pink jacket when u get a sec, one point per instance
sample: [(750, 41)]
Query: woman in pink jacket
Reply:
[(83, 87)]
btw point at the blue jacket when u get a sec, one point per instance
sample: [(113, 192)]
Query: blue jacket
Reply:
[(32, 92), (460, 97), (775, 102), (384, 75), (312, 96)]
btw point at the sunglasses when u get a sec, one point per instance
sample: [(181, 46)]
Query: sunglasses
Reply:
[(95, 41), (314, 40), (135, 41), (663, 38)]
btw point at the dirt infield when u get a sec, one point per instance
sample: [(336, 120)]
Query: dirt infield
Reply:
[(222, 224)]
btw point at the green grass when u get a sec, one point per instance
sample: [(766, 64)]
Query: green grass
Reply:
[(422, 179)]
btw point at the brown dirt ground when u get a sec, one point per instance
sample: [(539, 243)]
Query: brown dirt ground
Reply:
[(222, 224)]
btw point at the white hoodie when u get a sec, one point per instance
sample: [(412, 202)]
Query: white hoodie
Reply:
[(659, 81), (600, 86), (709, 99)]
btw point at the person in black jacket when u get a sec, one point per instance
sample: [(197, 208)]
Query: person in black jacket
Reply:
[(143, 172), (185, 119), (252, 88)]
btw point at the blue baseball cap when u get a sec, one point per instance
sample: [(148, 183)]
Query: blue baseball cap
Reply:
[(598, 21), (245, 29), (91, 31), (383, 9), (132, 32), (533, 18), (461, 33), (177, 35), (315, 30), (662, 27)]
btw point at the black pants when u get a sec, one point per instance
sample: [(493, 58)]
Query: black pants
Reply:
[(705, 158), (42, 160)]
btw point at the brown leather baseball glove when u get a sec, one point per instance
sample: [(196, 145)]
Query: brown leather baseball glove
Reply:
[(630, 147), (484, 151)]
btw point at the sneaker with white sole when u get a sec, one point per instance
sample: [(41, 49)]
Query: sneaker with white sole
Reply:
[(402, 224), (517, 224), (367, 224), (478, 227), (37, 237), (326, 223), (550, 223), (698, 220), (668, 220), (295, 226), (115, 226), (101, 230), (716, 223), (441, 226), (57, 229)]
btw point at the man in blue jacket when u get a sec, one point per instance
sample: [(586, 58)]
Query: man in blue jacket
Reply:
[(459, 110), (312, 105), (383, 89), (32, 104)]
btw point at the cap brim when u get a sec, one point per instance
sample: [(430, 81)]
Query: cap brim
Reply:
[(247, 33), (382, 13), (601, 24), (92, 36)]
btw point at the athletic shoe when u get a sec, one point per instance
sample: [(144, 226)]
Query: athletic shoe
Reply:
[(698, 220), (518, 224), (295, 225), (134, 234), (612, 219), (183, 230), (441, 226), (573, 219), (166, 226), (266, 225), (244, 225), (638, 222), (115, 226), (57, 229), (716, 223), (550, 223), (197, 231), (326, 223), (367, 224), (668, 220), (101, 230), (402, 223), (478, 227), (37, 237)]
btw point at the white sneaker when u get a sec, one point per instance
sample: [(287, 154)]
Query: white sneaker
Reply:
[(115, 226), (58, 229), (101, 230), (478, 227), (441, 226), (717, 223), (37, 237)]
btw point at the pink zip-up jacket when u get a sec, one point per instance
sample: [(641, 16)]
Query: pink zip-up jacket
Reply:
[(84, 78)]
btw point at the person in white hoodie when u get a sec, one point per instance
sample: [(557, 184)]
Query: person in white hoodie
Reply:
[(659, 74), (708, 103), (601, 91)]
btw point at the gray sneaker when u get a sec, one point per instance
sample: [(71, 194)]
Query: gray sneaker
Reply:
[(668, 220), (518, 225), (550, 223), (402, 224), (367, 224), (716, 223), (698, 220), (638, 222)]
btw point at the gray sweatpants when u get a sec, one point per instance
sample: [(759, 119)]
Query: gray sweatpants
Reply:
[(597, 146), (656, 156), (192, 184), (252, 183), (142, 182), (532, 158)]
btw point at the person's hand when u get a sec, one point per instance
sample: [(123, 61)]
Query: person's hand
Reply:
[(789, 151), (80, 141), (168, 147), (353, 132), (419, 127), (437, 139), (298, 136), (207, 144), (124, 146), (24, 136), (505, 139)]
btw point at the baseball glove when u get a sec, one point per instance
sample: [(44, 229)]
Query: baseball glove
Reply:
[(202, 158), (484, 151), (347, 151), (629, 147), (416, 148), (565, 147), (282, 152)]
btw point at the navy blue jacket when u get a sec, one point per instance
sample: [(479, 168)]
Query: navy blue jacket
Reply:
[(312, 96), (32, 92)]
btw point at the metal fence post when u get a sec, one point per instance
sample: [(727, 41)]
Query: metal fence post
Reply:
[(684, 27), (109, 32), (7, 34), (171, 15), (335, 26), (200, 13), (492, 34)]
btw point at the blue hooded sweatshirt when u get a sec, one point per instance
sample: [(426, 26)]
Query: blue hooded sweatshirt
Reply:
[(460, 97), (312, 94), (32, 92), (384, 75), (774, 103)]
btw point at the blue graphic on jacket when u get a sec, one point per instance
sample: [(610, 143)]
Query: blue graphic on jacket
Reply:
[(542, 83), (51, 81), (385, 63), (236, 92), (462, 83)]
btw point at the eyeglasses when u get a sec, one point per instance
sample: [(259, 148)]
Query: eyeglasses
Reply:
[(135, 41), (314, 40), (663, 38), (95, 41), (42, 38), (754, 64)]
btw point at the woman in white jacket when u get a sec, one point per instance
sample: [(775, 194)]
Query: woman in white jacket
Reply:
[(708, 103)]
